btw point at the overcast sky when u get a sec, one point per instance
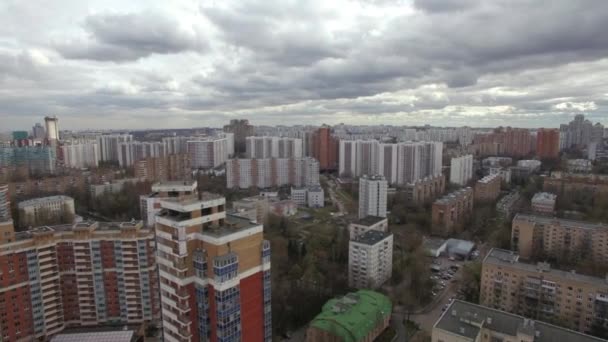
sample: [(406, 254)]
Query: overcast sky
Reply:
[(182, 63)]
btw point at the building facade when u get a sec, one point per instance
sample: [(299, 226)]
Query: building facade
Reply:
[(130, 152), (372, 196), (241, 129), (150, 204), (39, 211), (370, 259), (208, 152), (543, 203), (579, 133), (450, 213), (425, 190), (108, 145), (171, 167), (273, 147), (265, 173), (81, 154), (461, 170), (538, 291), (508, 205), (534, 236), (547, 143), (214, 272), (488, 188), (325, 149), (81, 275), (5, 203), (367, 223), (564, 183)]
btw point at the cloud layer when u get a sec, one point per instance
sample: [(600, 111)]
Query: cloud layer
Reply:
[(186, 63)]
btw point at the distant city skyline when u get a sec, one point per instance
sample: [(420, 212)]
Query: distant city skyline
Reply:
[(188, 63)]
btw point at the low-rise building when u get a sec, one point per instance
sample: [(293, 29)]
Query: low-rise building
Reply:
[(466, 322), (315, 196), (497, 162), (535, 235), (370, 259), (357, 317), (544, 203), (367, 223), (508, 205), (283, 208), (525, 169), (565, 183), (298, 195), (255, 207), (42, 211), (579, 165), (488, 188), (538, 291), (450, 212), (111, 187), (426, 189), (504, 172)]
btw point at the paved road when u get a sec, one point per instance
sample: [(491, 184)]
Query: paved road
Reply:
[(335, 198)]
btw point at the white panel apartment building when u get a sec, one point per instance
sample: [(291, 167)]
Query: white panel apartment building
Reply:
[(370, 259), (264, 173), (108, 145), (273, 147), (130, 152), (209, 152), (81, 154), (372, 196), (461, 169), (400, 163)]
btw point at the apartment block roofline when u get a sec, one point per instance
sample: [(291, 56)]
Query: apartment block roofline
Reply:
[(561, 221)]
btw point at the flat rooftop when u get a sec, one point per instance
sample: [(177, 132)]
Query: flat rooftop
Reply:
[(454, 195), (233, 224), (503, 257), (371, 237), (562, 222), (101, 336), (370, 220), (98, 226), (465, 319), (176, 184), (43, 200)]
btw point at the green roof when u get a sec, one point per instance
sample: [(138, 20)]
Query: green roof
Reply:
[(353, 316)]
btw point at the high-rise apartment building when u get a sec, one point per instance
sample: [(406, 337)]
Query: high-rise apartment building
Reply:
[(547, 143), (325, 148), (81, 154), (177, 145), (488, 188), (461, 170), (108, 145), (372, 196), (171, 167), (265, 173), (38, 132), (516, 142), (86, 274), (241, 129), (465, 322), (208, 152), (273, 147), (38, 160), (150, 204), (214, 272), (52, 128), (538, 291), (130, 152), (580, 132), (5, 204), (358, 157), (370, 259), (449, 213), (538, 236)]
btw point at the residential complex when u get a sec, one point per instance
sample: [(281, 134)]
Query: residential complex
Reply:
[(516, 142), (265, 173), (538, 291), (80, 154), (544, 203), (35, 160), (86, 274), (580, 132), (370, 259), (273, 147), (533, 236), (214, 272), (565, 183), (312, 196), (358, 316), (325, 148), (108, 145), (399, 163), (461, 170), (488, 188), (241, 129), (547, 143), (425, 190), (450, 213), (465, 322), (372, 196), (150, 204), (170, 167), (130, 152), (40, 211), (208, 152)]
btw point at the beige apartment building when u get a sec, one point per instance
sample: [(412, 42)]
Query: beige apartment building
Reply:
[(537, 291), (534, 235), (468, 322), (426, 189), (488, 188), (450, 212)]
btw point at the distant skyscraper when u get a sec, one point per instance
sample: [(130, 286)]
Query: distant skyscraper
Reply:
[(208, 152), (461, 169), (38, 131), (52, 128), (372, 196), (108, 145), (547, 143), (241, 130), (580, 132)]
